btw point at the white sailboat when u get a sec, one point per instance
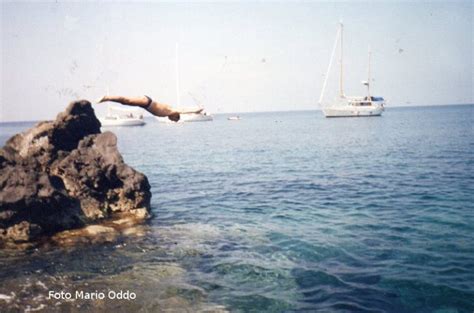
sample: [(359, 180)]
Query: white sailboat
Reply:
[(196, 117), (117, 116), (348, 106), (188, 117)]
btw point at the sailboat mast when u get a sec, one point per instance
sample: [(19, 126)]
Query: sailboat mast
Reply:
[(341, 89), (178, 98), (368, 77)]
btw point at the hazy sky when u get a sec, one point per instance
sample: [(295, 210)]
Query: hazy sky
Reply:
[(234, 57)]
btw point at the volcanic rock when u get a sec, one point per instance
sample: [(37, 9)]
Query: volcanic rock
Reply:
[(66, 174)]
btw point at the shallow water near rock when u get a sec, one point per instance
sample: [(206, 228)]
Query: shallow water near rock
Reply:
[(280, 212)]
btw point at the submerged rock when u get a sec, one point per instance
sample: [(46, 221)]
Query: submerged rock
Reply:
[(66, 174)]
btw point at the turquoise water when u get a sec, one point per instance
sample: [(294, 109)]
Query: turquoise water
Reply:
[(292, 212)]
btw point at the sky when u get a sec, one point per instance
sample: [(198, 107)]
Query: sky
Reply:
[(233, 56)]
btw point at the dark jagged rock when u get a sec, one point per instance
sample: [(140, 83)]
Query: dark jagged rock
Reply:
[(66, 174)]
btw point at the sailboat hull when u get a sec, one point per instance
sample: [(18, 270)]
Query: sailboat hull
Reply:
[(196, 117), (352, 111), (105, 122), (186, 118)]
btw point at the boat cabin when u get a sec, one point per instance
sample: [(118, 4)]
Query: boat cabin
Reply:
[(364, 101), (377, 99)]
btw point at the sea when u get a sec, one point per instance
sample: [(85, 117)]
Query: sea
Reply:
[(279, 212)]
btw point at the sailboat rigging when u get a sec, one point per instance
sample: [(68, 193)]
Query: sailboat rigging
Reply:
[(346, 106), (189, 117)]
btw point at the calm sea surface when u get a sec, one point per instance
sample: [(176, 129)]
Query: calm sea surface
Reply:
[(284, 212)]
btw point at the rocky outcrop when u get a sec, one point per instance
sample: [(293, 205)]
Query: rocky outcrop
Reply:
[(66, 174)]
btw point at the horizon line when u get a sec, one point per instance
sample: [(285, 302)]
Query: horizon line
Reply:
[(276, 111)]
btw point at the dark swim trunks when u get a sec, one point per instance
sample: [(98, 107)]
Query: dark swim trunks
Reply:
[(149, 103)]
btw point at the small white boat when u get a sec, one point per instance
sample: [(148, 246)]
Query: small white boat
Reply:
[(164, 120), (234, 118), (121, 117), (188, 117), (196, 117), (345, 106)]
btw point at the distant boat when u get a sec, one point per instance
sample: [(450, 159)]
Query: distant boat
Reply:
[(121, 117), (345, 106), (234, 118), (188, 117), (197, 117)]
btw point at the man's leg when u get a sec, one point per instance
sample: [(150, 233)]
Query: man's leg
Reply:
[(158, 109), (139, 101)]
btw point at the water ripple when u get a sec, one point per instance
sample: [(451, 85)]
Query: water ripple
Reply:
[(307, 215)]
